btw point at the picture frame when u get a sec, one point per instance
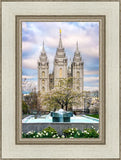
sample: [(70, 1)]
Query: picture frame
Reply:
[(15, 147), (19, 20)]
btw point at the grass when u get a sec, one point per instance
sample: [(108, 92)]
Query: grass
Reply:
[(94, 115)]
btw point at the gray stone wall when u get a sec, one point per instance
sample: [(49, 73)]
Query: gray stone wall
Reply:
[(26, 127)]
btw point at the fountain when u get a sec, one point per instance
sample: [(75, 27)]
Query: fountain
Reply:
[(61, 116)]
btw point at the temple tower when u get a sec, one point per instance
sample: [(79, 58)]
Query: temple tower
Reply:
[(60, 63), (77, 70), (43, 72)]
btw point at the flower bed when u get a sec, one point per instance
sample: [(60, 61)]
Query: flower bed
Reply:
[(68, 133)]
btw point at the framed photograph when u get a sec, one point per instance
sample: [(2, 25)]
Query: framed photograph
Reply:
[(60, 91), (60, 80)]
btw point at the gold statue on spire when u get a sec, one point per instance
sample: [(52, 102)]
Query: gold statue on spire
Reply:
[(60, 31)]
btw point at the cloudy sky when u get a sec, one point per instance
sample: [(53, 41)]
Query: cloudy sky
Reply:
[(33, 35)]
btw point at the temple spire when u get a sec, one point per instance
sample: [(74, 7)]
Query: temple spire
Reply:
[(77, 52), (43, 49), (77, 49), (60, 46), (43, 56)]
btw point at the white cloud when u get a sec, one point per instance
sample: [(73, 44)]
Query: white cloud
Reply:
[(27, 46), (91, 79), (91, 88), (27, 77), (91, 72), (49, 32), (30, 63)]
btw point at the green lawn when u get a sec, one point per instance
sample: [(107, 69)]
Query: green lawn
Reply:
[(94, 115)]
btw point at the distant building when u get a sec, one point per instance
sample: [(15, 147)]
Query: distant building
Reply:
[(75, 69)]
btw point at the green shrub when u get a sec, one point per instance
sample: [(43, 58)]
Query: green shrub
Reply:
[(72, 132), (50, 130), (90, 133), (75, 133), (67, 133), (30, 134), (49, 133), (46, 133)]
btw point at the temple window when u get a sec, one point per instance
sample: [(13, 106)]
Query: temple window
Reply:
[(43, 89), (60, 73), (43, 74), (78, 81), (43, 81), (78, 74)]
